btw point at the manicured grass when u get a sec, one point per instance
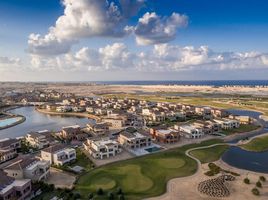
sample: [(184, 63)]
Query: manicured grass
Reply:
[(242, 129), (210, 154), (257, 144), (143, 176)]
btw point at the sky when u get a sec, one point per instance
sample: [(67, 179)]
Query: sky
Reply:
[(118, 40)]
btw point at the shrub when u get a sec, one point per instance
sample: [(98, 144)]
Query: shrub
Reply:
[(90, 196), (255, 191), (258, 184), (247, 181), (100, 191), (262, 178)]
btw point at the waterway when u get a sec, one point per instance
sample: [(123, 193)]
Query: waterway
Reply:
[(36, 121), (240, 158)]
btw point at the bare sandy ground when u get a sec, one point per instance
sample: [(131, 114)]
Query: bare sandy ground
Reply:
[(61, 179), (186, 188), (89, 89)]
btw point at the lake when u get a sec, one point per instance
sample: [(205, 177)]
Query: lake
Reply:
[(240, 158), (36, 121)]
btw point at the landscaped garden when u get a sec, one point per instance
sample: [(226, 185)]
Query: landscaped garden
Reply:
[(243, 128), (139, 177), (209, 154), (257, 144)]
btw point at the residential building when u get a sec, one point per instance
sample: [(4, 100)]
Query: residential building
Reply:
[(28, 168), (37, 140), (228, 123), (72, 133), (8, 149), (165, 135), (102, 148), (134, 140), (189, 131), (115, 123), (58, 154), (99, 129), (14, 189)]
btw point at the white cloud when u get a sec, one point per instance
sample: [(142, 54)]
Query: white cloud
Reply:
[(84, 19), (115, 56), (153, 29), (7, 63), (162, 57)]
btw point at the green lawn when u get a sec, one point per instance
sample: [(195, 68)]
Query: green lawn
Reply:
[(242, 129), (140, 177), (210, 154), (257, 144)]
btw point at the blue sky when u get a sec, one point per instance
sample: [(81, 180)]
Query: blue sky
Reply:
[(236, 27)]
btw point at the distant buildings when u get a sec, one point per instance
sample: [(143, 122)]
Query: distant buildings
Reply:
[(8, 149), (58, 154), (102, 148), (228, 123)]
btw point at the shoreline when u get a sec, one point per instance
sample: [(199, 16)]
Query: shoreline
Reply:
[(70, 114), (5, 111)]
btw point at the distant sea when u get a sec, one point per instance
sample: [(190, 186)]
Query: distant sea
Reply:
[(209, 83)]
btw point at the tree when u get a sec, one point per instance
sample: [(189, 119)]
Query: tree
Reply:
[(258, 184), (121, 197), (90, 196), (77, 196), (247, 181), (255, 191), (110, 196), (100, 191), (262, 178), (119, 191)]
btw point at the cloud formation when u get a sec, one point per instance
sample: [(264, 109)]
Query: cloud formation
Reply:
[(84, 19), (7, 63), (162, 57), (153, 29)]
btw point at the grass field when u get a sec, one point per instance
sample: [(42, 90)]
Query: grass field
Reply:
[(140, 177), (257, 144), (210, 154), (242, 129)]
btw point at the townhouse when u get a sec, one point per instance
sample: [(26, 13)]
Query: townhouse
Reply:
[(102, 148), (14, 189), (28, 168), (8, 149), (58, 154), (134, 140)]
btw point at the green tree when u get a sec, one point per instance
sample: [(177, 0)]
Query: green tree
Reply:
[(259, 184), (247, 181), (100, 191), (262, 178), (255, 191)]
